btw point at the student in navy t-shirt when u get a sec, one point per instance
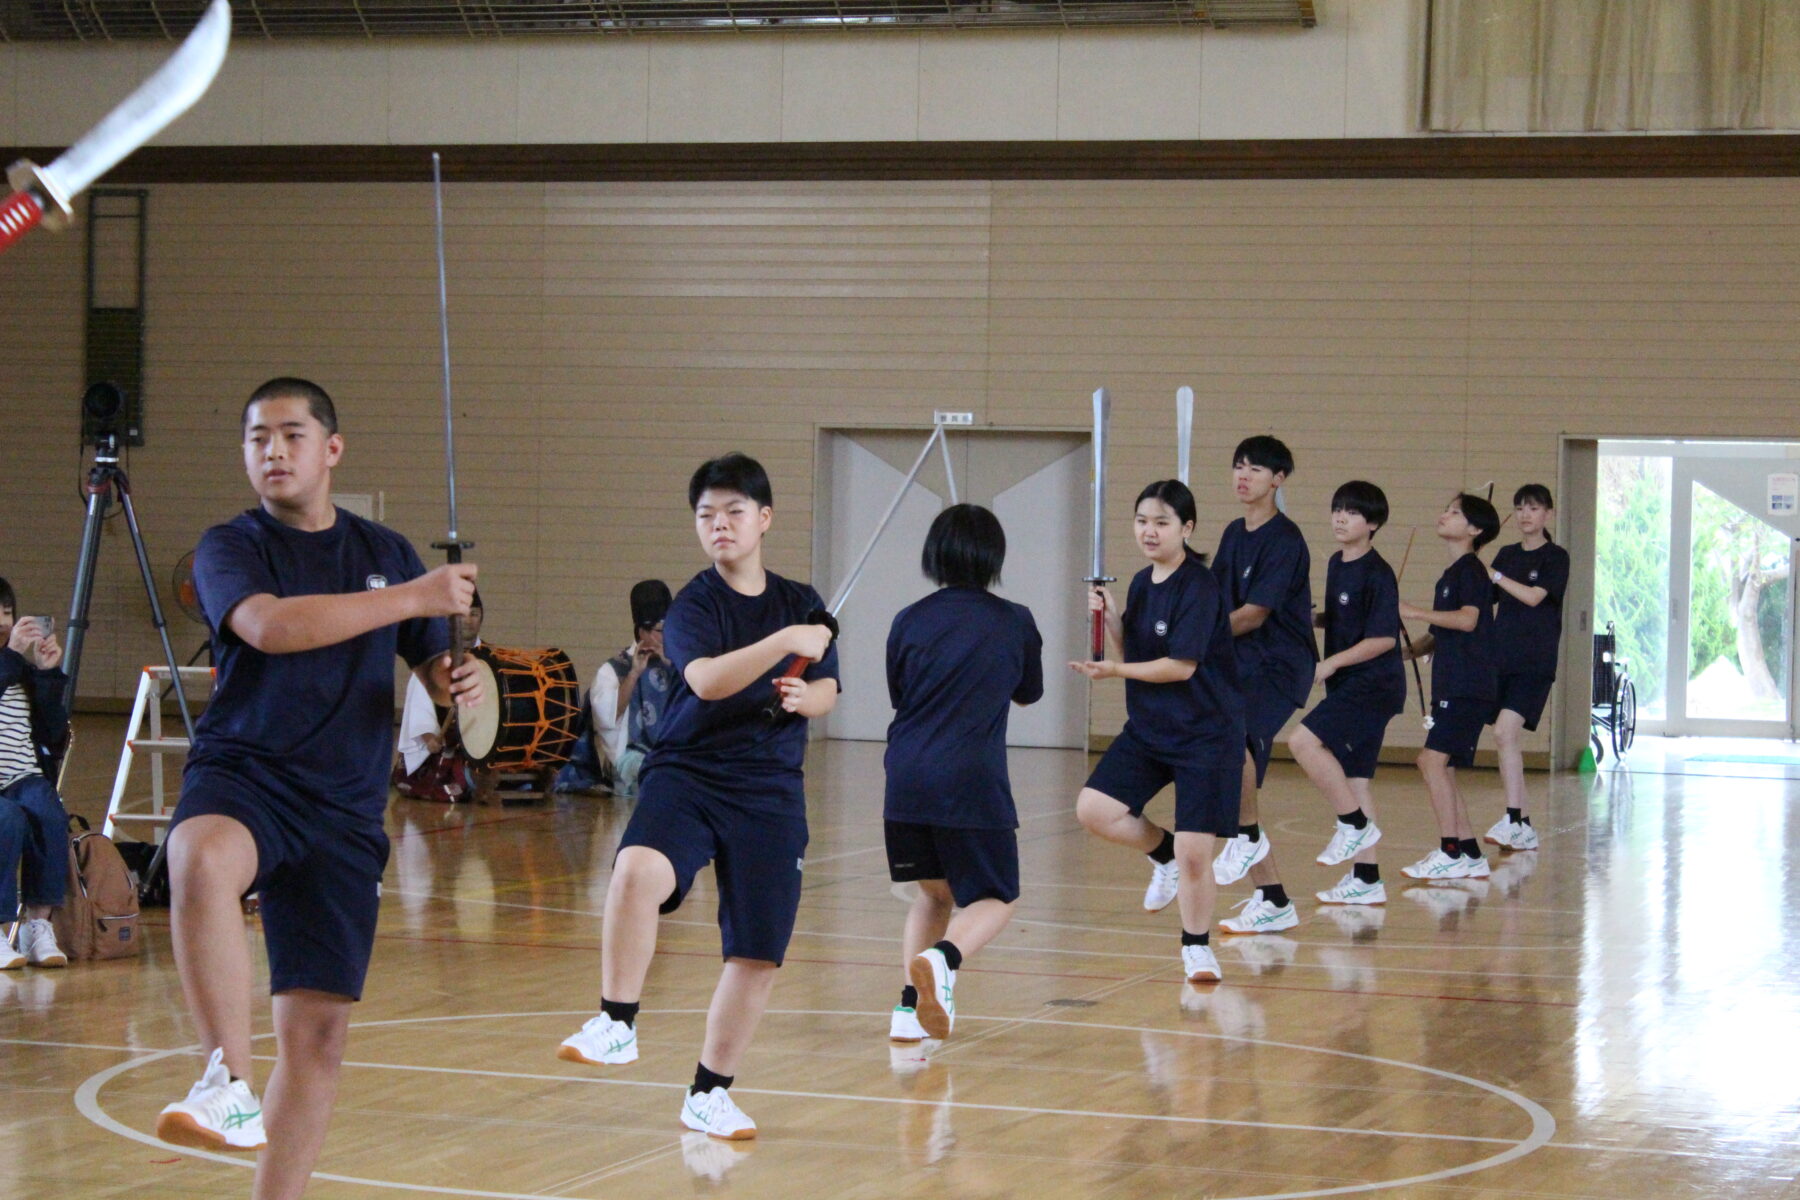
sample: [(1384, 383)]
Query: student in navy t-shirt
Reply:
[(1265, 568), (722, 784), (1185, 720), (287, 781), (957, 661), (1462, 682), (1339, 742), (1529, 577)]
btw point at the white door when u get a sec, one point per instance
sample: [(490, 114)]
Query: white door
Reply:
[(1036, 484)]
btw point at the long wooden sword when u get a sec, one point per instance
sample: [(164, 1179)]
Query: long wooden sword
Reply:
[(45, 195)]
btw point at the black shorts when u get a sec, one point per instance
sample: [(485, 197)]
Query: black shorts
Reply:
[(1525, 695), (318, 875), (1206, 797), (978, 864), (1351, 727), (1456, 727), (1265, 712), (757, 858)]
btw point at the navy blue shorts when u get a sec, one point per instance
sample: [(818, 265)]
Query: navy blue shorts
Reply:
[(1206, 797), (318, 873), (1525, 695), (757, 858), (1456, 726), (978, 864), (1265, 712), (1351, 727)]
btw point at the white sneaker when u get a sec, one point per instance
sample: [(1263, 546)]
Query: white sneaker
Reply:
[(1474, 868), (717, 1114), (1200, 965), (709, 1159), (1351, 890), (905, 1027), (1270, 953), (1165, 881), (936, 984), (1347, 842), (1437, 865), (1500, 832), (219, 1113), (1238, 856), (1259, 916), (10, 958), (601, 1042), (1524, 837), (37, 942)]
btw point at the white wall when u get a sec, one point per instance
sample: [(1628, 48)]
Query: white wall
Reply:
[(1356, 74)]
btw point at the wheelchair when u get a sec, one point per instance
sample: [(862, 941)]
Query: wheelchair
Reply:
[(1614, 706)]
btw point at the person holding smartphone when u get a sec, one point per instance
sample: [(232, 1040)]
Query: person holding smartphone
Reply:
[(632, 688), (34, 733)]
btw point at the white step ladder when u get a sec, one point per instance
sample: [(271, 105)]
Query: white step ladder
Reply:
[(149, 705)]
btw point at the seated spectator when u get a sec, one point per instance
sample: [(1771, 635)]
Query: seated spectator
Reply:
[(428, 768), (629, 693), (34, 828)]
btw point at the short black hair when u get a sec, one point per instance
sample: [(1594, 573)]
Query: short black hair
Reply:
[(1270, 453), (1533, 493), (965, 547), (732, 472), (649, 603), (1362, 498), (8, 601), (1171, 492), (1480, 514), (283, 387)]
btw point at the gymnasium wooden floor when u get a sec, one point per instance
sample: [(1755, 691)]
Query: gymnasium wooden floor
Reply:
[(1617, 1014)]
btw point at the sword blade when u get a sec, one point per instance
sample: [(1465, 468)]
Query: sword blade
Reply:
[(1184, 431), (168, 93), (1102, 417)]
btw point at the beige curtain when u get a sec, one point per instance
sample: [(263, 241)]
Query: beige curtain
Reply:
[(1574, 66)]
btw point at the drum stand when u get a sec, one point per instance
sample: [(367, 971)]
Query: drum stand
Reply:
[(105, 478)]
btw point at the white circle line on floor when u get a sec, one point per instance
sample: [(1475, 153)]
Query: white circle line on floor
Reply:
[(1543, 1125)]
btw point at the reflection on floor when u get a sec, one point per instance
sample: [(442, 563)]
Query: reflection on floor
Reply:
[(1734, 758), (1610, 1015)]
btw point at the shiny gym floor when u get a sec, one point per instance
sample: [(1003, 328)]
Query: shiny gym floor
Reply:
[(1617, 1014)]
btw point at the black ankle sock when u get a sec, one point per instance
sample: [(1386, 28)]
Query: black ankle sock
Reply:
[(1195, 939), (952, 956), (1164, 854), (237, 1079), (1514, 815), (909, 996), (1355, 820), (1450, 846), (1470, 848), (1273, 893), (1524, 820), (1366, 872), (706, 1081), (620, 1011), (1253, 832)]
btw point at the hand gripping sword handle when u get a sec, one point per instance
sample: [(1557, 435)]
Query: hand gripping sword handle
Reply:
[(797, 664), (19, 215)]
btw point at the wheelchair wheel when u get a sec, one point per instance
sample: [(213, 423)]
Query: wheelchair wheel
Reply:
[(1624, 729), (1598, 745)]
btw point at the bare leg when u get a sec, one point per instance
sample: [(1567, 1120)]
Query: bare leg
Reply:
[(737, 1006), (1264, 872), (1364, 796), (1198, 894), (1322, 767), (1446, 802), (1509, 733), (926, 921), (1105, 817), (642, 879), (980, 923), (212, 863), (309, 1030)]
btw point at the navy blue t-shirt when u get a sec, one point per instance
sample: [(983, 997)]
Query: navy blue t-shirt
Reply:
[(729, 745), (956, 662), (1362, 600), (319, 724), (1462, 666), (1271, 567), (1526, 637), (1200, 719)]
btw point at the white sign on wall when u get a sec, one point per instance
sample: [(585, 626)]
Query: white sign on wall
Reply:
[(1784, 495)]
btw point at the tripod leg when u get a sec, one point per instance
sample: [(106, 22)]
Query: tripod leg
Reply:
[(156, 612), (99, 497)]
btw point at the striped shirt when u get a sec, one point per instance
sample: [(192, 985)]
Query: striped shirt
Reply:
[(17, 756)]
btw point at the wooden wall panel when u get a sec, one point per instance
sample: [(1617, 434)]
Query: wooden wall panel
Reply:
[(1428, 334)]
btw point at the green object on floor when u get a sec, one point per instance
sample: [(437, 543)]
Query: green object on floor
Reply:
[(1586, 765)]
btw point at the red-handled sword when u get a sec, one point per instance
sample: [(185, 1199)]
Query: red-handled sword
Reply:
[(45, 195)]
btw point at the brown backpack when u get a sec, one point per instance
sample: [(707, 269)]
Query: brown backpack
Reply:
[(99, 917)]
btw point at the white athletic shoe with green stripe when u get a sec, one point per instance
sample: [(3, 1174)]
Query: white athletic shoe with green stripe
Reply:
[(1347, 841), (931, 975), (601, 1042), (1257, 915), (716, 1113), (220, 1113)]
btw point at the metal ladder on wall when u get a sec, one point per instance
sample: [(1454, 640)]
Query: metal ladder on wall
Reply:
[(148, 708)]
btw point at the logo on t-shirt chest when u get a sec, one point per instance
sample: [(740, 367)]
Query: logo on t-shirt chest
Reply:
[(1162, 628), (1444, 591), (375, 581), (1532, 576), (1343, 597)]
